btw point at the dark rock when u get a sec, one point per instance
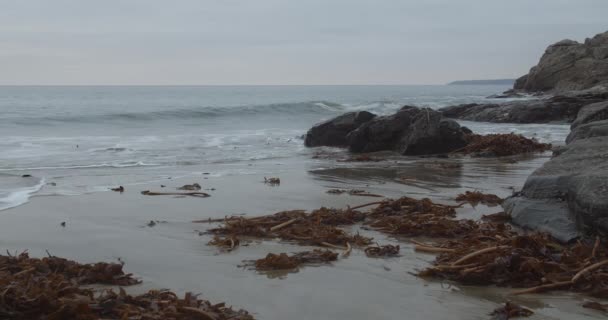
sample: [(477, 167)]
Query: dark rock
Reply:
[(410, 131), (593, 112), (562, 108), (569, 65), (572, 186), (588, 130), (333, 132)]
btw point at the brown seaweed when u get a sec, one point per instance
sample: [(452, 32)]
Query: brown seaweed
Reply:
[(534, 262), (284, 261), (318, 228), (191, 194), (354, 192), (502, 145), (51, 288)]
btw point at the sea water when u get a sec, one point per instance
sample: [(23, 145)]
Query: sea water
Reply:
[(81, 139)]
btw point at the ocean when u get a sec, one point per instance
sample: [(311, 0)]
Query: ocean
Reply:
[(72, 140)]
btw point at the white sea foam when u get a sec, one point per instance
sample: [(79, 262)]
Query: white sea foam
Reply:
[(19, 196)]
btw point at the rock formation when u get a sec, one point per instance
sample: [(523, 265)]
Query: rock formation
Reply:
[(569, 65), (410, 131), (569, 193), (333, 132), (560, 108)]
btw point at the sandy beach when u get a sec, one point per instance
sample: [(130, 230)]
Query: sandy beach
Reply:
[(107, 226)]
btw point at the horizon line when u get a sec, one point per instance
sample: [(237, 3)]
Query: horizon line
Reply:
[(225, 85)]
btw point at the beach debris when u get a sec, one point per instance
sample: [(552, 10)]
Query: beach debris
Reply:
[(192, 194), (26, 176), (476, 197), (498, 145), (595, 305), (283, 261), (361, 158), (317, 228), (354, 192), (534, 262), (272, 181), (190, 187), (162, 185), (510, 310), (120, 189), (53, 288), (412, 218), (225, 243), (62, 224), (379, 251)]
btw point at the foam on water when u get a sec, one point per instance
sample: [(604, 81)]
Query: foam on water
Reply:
[(15, 197)]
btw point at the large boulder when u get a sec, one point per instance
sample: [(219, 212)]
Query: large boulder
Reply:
[(569, 65), (592, 121), (410, 131), (588, 130), (568, 193), (333, 132), (560, 108), (589, 113)]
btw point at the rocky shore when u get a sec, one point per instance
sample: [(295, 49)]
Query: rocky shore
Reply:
[(566, 197), (568, 76)]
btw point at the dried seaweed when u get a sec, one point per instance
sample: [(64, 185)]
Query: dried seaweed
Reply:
[(412, 217), (225, 243), (511, 310), (354, 192), (50, 288), (284, 261), (536, 262), (317, 228), (191, 194), (502, 145), (476, 197), (382, 251)]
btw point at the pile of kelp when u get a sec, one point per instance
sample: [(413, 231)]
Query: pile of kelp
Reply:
[(318, 228), (413, 218), (498, 145), (283, 261), (53, 288), (534, 262)]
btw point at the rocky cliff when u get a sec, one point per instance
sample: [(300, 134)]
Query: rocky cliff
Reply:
[(569, 65)]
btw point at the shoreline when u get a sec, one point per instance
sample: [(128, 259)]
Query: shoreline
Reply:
[(109, 225)]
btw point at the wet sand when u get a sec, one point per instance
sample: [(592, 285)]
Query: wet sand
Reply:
[(105, 226)]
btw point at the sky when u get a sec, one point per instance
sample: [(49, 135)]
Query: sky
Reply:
[(258, 42)]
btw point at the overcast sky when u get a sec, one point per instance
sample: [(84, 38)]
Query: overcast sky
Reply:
[(283, 41)]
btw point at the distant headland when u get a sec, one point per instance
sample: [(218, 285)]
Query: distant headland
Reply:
[(507, 82)]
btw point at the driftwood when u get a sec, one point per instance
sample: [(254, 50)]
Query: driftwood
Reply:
[(191, 194)]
